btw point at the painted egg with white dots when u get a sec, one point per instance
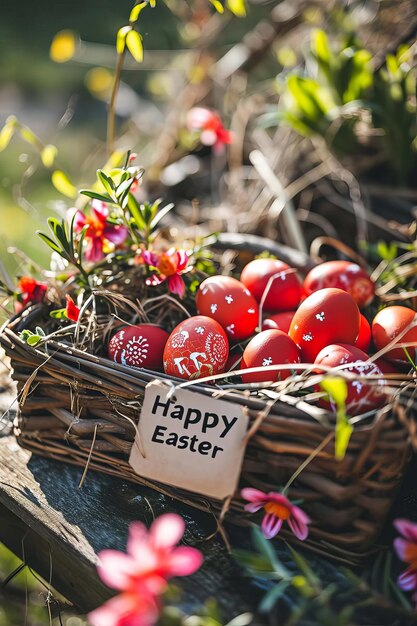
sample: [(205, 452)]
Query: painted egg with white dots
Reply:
[(139, 346), (327, 316), (231, 304), (361, 397), (279, 321), (344, 275), (275, 282), (197, 347), (364, 338), (269, 347)]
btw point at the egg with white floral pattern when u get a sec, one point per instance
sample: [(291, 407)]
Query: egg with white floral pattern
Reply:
[(197, 347), (139, 346), (361, 397), (230, 303), (327, 316)]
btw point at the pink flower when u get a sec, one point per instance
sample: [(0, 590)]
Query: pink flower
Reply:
[(99, 231), (277, 510), (152, 557), (210, 125), (170, 266), (127, 609), (406, 548), (141, 575)]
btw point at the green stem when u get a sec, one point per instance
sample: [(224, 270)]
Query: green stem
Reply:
[(111, 117)]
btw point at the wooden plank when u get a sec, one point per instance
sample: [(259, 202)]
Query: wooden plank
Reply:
[(56, 522)]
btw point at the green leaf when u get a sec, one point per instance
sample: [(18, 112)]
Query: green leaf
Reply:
[(135, 212), (253, 562), (29, 136), (320, 47), (33, 340), (161, 214), (59, 314), (237, 7), (124, 187), (244, 619), (135, 45), (121, 39), (40, 331), (337, 389), (304, 568), (218, 6), (107, 182), (62, 183), (7, 132), (49, 242), (48, 155), (96, 196), (266, 549), (134, 14), (269, 600)]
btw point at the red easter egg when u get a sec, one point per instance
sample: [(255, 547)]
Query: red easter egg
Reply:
[(388, 324), (326, 316), (227, 301), (343, 275), (388, 367), (197, 347), (361, 397), (285, 289), (139, 346), (269, 347), (364, 338), (278, 321)]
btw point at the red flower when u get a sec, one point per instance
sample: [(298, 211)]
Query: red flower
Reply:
[(72, 311), (210, 125), (170, 266), (277, 510), (99, 231), (32, 290)]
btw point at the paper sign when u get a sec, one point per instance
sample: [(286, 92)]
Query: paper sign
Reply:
[(190, 440)]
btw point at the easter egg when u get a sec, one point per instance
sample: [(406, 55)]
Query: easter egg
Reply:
[(284, 290), (278, 321), (197, 347), (388, 324), (389, 367), (342, 275), (363, 340), (230, 303), (139, 346), (326, 316), (269, 347), (361, 397)]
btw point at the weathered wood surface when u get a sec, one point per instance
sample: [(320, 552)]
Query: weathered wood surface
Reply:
[(59, 528)]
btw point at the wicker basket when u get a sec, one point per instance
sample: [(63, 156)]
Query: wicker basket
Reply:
[(73, 407)]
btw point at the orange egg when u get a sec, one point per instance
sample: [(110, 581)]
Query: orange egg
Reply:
[(365, 336), (278, 321), (269, 347), (230, 303), (342, 275), (361, 397), (197, 347), (285, 289), (388, 324), (326, 316)]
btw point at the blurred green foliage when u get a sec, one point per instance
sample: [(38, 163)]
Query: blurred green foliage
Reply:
[(357, 110)]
